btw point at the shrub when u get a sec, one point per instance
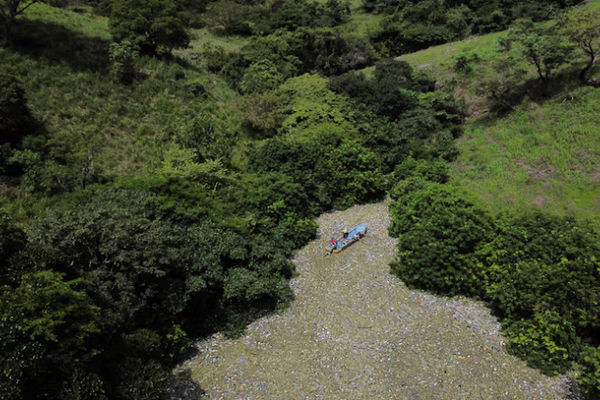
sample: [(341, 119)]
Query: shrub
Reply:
[(435, 171), (463, 62), (392, 91), (261, 76), (263, 112), (351, 174), (154, 25), (544, 272), (228, 17), (336, 173), (12, 243), (123, 56), (540, 341), (15, 118), (439, 230), (590, 378), (213, 57)]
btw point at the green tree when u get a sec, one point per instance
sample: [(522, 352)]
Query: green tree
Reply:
[(155, 26), (9, 11), (261, 76), (504, 83), (228, 17), (539, 46), (45, 324), (439, 230), (582, 27)]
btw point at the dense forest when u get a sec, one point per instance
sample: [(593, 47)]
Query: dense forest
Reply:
[(151, 195)]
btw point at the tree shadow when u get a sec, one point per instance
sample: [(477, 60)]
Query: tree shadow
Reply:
[(57, 44), (534, 90), (183, 387)]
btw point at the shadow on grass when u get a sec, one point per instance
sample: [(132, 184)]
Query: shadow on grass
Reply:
[(535, 90), (183, 386), (57, 44)]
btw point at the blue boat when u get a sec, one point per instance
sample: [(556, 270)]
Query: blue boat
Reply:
[(353, 236)]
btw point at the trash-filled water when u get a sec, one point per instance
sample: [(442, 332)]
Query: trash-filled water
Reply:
[(355, 331)]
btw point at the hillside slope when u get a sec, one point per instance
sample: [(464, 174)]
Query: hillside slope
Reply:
[(545, 154), (355, 331)]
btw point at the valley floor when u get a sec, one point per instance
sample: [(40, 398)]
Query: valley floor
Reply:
[(355, 331)]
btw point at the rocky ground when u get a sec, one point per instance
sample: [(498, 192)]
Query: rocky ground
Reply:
[(355, 331)]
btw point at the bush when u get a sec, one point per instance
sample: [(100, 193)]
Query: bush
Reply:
[(504, 85), (590, 378), (543, 264), (424, 210), (414, 25), (123, 56), (12, 244), (154, 26), (15, 118), (462, 63), (261, 76), (263, 112), (434, 171), (392, 91), (213, 57), (336, 173), (538, 341), (228, 17)]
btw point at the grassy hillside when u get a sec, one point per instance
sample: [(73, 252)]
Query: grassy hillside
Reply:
[(544, 154), (62, 59)]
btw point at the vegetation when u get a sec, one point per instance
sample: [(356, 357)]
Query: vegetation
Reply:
[(414, 25), (9, 11), (148, 200), (152, 25), (521, 263), (538, 273)]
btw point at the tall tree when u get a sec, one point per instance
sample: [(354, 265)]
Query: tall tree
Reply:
[(9, 10), (153, 25), (540, 46), (582, 27)]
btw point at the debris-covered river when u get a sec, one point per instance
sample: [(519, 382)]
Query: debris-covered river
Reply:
[(355, 331)]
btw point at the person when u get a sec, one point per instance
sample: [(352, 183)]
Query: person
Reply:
[(333, 242), (345, 232)]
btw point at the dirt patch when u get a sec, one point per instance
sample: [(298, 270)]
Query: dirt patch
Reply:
[(541, 201), (595, 176), (355, 331), (538, 171)]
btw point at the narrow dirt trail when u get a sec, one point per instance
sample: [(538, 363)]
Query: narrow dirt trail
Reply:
[(355, 331)]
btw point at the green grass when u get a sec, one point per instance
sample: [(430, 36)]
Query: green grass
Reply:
[(200, 37), (437, 58), (543, 156), (361, 23), (61, 57), (81, 22)]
